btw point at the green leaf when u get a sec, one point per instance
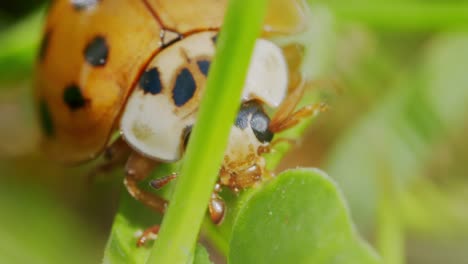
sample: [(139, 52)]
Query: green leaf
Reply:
[(121, 247), (299, 217), (201, 256)]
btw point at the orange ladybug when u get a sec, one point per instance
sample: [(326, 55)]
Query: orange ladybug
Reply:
[(139, 68)]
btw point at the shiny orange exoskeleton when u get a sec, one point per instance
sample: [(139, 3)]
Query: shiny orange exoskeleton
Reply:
[(95, 53)]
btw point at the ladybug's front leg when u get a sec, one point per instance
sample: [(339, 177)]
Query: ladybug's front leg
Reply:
[(294, 118), (138, 168), (216, 206), (149, 233)]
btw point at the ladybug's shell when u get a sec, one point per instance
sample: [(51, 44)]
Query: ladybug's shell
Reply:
[(93, 53)]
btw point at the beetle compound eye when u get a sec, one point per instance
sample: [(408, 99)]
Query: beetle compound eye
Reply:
[(252, 113), (259, 123), (245, 111)]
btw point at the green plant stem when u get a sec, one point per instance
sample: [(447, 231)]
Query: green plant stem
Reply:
[(185, 213), (390, 234), (211, 232), (405, 16)]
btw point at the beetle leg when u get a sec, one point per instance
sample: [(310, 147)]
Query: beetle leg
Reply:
[(294, 118), (150, 233), (115, 155), (294, 54), (217, 207), (270, 148), (161, 182), (137, 169), (285, 117)]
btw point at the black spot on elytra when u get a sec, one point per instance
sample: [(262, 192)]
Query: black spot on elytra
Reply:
[(184, 88), (204, 66), (44, 45), (150, 81), (73, 97), (83, 4), (260, 126), (97, 51), (47, 125)]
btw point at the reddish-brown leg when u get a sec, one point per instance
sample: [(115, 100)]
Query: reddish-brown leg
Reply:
[(152, 232), (289, 104), (137, 169), (163, 181), (270, 147), (149, 234), (217, 207), (115, 155), (285, 117)]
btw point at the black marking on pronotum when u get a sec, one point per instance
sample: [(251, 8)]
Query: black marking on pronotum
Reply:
[(97, 51), (73, 97), (46, 119), (83, 4), (44, 45), (215, 39), (186, 135), (184, 88), (204, 66), (260, 123), (150, 81)]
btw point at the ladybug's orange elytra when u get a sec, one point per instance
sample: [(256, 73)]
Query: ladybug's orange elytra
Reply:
[(93, 53)]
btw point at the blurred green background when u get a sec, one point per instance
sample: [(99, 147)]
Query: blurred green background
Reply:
[(394, 138)]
